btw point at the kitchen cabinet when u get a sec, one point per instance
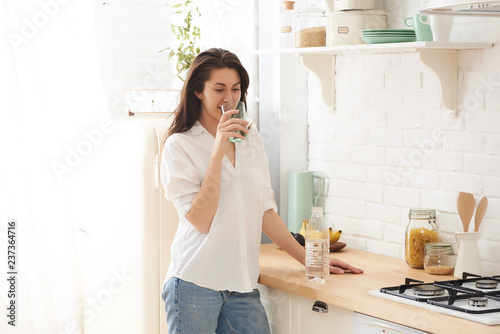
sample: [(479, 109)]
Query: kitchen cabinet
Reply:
[(334, 320), (441, 57), (278, 305), (293, 314), (368, 325)]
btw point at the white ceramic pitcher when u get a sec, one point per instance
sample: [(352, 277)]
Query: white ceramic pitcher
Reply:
[(468, 259), (441, 27)]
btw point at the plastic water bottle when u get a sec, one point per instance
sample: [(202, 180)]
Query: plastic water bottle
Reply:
[(317, 247)]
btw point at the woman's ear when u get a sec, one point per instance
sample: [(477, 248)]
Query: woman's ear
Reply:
[(198, 95)]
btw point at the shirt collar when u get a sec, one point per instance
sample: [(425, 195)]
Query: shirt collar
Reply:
[(197, 128)]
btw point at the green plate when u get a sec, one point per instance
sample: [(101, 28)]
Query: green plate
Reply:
[(391, 30), (387, 33), (399, 33), (388, 39), (390, 36)]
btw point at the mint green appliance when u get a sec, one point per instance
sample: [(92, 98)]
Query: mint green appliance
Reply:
[(301, 197)]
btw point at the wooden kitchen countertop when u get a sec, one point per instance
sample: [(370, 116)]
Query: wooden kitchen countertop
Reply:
[(350, 291)]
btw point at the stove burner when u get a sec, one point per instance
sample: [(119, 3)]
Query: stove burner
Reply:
[(427, 290), (478, 301), (486, 284)]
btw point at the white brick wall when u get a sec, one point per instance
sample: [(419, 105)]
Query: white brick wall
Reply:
[(130, 35), (132, 32), (398, 150)]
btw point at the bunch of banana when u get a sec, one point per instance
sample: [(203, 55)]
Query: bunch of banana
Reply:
[(334, 236), (304, 227)]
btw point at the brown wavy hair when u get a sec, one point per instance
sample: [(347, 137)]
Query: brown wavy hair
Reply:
[(189, 109)]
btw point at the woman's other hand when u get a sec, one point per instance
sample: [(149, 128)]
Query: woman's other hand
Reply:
[(339, 267)]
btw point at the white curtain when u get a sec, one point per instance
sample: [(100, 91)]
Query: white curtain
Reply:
[(51, 99)]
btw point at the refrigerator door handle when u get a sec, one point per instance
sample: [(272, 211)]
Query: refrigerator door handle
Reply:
[(81, 230), (157, 171)]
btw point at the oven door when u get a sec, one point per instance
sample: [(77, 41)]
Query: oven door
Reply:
[(364, 324)]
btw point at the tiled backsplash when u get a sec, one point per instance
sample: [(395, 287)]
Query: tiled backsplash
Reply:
[(390, 147)]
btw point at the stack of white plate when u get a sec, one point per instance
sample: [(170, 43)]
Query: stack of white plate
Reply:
[(374, 36)]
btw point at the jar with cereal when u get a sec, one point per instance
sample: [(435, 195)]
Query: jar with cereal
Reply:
[(421, 229), (310, 27), (439, 258)]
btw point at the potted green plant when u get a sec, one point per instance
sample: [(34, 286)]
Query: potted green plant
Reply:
[(186, 34)]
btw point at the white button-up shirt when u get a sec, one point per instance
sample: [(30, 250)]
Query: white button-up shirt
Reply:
[(226, 258)]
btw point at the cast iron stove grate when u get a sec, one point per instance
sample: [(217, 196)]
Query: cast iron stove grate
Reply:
[(473, 303), (487, 285), (418, 290)]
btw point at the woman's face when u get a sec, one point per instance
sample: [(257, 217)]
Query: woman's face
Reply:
[(222, 87)]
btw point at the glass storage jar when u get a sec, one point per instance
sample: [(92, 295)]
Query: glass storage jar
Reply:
[(439, 258), (310, 27), (421, 229), (287, 24)]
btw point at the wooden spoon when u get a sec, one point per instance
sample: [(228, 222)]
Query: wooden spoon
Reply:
[(481, 209), (465, 206)]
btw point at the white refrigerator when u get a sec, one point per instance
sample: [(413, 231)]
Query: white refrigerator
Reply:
[(125, 227)]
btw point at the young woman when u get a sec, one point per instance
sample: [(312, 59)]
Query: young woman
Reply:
[(222, 193)]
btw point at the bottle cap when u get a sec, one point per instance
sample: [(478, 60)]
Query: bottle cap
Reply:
[(317, 209), (289, 4)]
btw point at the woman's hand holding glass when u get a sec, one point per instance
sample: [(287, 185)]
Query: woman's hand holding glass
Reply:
[(238, 119)]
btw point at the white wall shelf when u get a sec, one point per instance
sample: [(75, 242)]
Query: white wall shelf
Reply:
[(441, 57)]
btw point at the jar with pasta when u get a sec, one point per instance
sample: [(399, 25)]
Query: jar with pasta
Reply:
[(422, 229)]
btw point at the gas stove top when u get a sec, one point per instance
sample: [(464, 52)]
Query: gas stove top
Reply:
[(474, 297)]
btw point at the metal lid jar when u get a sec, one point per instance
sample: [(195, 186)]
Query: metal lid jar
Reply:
[(439, 258), (310, 27), (421, 229)]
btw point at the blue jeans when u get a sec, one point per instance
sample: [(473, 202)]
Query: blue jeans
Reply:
[(192, 309)]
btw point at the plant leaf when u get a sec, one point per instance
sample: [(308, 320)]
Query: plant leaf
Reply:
[(186, 35)]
